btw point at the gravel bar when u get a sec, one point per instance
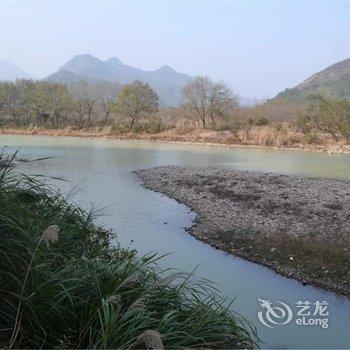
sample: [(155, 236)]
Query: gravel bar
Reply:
[(298, 226)]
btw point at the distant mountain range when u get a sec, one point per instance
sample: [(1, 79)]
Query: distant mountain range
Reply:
[(9, 71), (165, 80), (333, 81)]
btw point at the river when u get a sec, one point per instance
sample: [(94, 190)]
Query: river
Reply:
[(100, 172)]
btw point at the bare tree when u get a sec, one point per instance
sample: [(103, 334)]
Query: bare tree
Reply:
[(85, 97), (222, 101), (204, 98), (106, 95)]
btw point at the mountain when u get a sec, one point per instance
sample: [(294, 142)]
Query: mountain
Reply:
[(9, 71), (333, 81), (165, 80), (67, 77)]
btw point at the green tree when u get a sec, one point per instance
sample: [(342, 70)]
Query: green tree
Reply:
[(135, 101)]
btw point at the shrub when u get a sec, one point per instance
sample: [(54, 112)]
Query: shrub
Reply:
[(263, 136), (258, 121), (304, 123), (311, 138), (154, 125), (107, 129)]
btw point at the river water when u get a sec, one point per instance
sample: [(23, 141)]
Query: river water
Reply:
[(100, 172)]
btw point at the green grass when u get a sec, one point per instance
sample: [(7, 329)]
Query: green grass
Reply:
[(82, 293)]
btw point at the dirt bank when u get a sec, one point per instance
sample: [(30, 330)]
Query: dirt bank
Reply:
[(300, 227), (196, 137)]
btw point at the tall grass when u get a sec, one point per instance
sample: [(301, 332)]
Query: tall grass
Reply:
[(79, 292)]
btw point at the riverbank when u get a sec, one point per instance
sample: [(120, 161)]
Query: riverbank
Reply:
[(65, 287), (297, 226), (197, 137)]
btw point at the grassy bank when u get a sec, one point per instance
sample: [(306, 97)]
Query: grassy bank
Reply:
[(63, 285), (257, 136)]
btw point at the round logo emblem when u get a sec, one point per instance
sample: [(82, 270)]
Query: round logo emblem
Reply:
[(274, 314)]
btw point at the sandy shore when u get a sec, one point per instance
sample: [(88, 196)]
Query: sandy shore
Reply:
[(202, 138), (300, 227)]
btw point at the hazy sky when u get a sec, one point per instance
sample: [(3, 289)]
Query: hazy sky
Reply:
[(260, 48)]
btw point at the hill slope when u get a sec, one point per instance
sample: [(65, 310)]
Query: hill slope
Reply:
[(333, 81), (9, 71), (166, 81), (67, 77)]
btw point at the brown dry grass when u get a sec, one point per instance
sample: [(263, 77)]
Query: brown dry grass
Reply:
[(277, 136)]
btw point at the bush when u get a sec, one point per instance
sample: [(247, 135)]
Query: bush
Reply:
[(311, 138), (258, 121), (304, 123), (154, 125)]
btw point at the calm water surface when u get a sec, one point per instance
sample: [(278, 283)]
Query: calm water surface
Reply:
[(100, 171)]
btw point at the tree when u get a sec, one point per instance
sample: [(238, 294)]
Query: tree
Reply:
[(136, 100), (106, 95), (56, 102), (45, 101), (222, 100), (85, 97), (204, 99), (11, 96)]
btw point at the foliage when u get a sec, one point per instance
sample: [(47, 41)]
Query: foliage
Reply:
[(51, 105), (136, 100), (330, 115), (79, 292), (312, 138), (35, 102), (154, 125), (258, 121), (304, 123), (206, 104)]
